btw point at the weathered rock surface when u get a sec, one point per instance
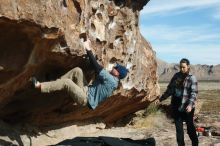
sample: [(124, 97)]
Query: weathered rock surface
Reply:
[(202, 72), (42, 38)]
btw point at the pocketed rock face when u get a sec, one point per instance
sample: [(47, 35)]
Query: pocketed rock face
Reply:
[(43, 38)]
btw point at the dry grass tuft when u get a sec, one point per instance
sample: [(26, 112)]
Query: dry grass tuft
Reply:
[(150, 118)]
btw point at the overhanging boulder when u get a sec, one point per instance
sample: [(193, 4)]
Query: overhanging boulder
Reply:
[(42, 38)]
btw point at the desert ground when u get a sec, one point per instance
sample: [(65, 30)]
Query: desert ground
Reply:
[(144, 124)]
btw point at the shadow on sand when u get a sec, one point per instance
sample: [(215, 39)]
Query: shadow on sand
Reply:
[(107, 141)]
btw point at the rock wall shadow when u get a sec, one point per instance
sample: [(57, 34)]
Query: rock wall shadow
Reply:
[(107, 141), (13, 133), (7, 130), (6, 143)]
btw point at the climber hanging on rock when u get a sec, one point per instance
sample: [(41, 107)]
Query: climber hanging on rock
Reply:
[(75, 84)]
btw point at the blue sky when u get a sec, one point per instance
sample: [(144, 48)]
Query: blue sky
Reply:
[(183, 29)]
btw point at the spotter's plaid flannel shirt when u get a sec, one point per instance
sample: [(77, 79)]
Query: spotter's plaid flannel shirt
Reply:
[(190, 89)]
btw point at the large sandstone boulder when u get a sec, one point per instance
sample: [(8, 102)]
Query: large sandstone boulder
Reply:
[(42, 38)]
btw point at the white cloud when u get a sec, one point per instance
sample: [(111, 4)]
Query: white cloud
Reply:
[(162, 6), (216, 15), (196, 53), (200, 44), (187, 34)]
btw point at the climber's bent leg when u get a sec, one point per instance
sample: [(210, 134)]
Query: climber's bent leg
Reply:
[(79, 94), (77, 76)]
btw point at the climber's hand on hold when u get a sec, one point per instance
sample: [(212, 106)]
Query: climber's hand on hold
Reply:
[(87, 45)]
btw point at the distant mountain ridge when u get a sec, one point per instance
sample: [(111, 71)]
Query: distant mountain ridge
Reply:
[(202, 72)]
